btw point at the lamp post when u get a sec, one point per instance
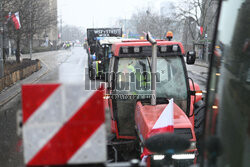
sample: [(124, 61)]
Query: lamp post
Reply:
[(1, 39), (207, 45), (30, 34)]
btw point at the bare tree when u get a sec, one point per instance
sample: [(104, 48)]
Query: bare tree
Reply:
[(72, 33), (146, 20), (35, 17), (200, 12), (4, 20)]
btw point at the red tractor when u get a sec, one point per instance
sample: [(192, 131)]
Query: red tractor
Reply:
[(134, 73)]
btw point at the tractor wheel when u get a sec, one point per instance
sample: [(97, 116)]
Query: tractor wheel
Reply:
[(199, 121), (199, 118)]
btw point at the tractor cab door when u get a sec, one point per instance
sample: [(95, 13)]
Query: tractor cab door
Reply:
[(128, 84), (107, 56)]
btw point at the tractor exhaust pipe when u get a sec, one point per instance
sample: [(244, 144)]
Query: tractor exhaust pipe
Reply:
[(153, 67)]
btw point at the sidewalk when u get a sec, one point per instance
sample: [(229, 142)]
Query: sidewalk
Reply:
[(201, 63), (49, 60)]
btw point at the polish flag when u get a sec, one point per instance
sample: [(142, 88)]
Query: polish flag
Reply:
[(16, 20), (201, 30), (164, 124)]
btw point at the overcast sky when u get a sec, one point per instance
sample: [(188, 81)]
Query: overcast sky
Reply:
[(101, 13)]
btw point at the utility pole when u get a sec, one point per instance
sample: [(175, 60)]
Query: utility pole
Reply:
[(1, 39), (207, 44), (61, 29), (30, 33)]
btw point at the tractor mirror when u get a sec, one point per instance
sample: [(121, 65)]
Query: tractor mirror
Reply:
[(190, 58), (167, 143)]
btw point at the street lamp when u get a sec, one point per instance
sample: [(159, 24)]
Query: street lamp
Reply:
[(30, 33)]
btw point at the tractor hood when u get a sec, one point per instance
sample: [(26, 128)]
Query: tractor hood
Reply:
[(147, 115)]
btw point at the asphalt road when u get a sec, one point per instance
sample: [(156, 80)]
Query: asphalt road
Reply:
[(199, 75), (61, 67)]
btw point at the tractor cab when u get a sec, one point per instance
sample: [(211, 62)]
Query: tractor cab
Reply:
[(103, 54), (129, 89), (96, 56)]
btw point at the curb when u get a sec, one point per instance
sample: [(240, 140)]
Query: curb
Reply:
[(201, 64)]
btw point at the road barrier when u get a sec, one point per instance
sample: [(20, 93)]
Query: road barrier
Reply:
[(63, 124)]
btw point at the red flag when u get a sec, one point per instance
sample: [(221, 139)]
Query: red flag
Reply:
[(201, 30), (16, 20)]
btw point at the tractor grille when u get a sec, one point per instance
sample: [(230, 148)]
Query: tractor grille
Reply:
[(184, 132)]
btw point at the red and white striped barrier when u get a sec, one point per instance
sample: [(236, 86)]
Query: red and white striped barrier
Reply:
[(63, 124)]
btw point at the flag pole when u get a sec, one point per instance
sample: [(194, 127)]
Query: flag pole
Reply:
[(30, 35), (1, 52)]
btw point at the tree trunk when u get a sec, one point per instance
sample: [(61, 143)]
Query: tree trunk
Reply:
[(18, 60), (4, 55)]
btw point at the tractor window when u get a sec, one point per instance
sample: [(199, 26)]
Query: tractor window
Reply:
[(133, 77), (171, 79), (111, 72)]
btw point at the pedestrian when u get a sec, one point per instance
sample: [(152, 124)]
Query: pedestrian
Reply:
[(200, 54)]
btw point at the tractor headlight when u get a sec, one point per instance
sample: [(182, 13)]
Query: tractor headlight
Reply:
[(125, 49), (183, 156), (158, 157), (106, 97), (198, 93), (192, 145), (175, 48), (163, 48), (136, 49)]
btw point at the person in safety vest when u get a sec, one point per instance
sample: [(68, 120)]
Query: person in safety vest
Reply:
[(136, 68)]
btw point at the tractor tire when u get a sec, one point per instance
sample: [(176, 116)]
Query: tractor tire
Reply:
[(199, 121), (199, 118)]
